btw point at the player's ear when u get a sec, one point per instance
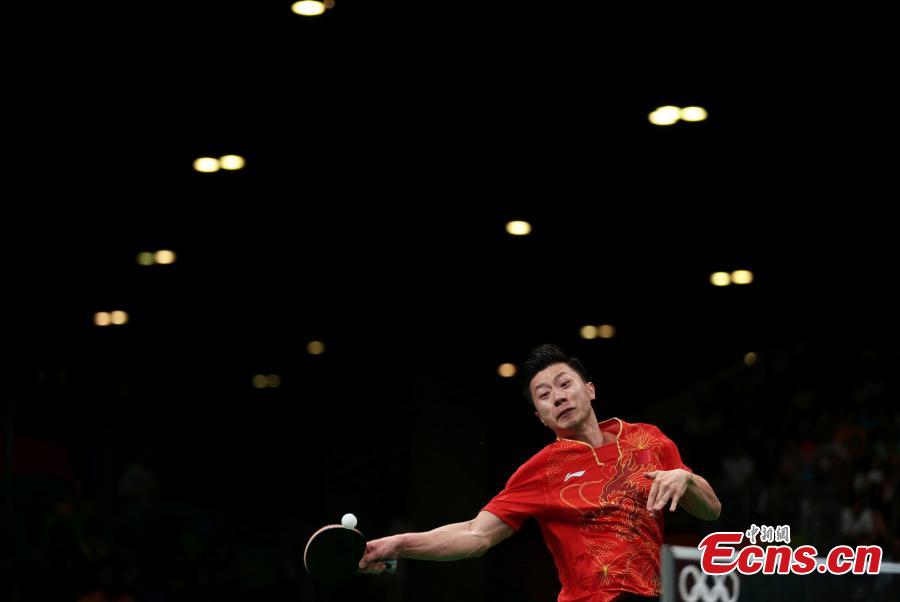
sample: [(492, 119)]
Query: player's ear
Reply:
[(539, 418), (591, 391)]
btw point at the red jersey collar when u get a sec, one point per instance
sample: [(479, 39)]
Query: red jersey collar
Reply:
[(610, 425)]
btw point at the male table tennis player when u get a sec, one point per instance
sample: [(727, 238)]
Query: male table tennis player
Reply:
[(598, 494)]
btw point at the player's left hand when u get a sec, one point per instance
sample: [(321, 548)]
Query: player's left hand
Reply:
[(668, 487)]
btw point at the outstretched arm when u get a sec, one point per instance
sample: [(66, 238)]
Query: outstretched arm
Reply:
[(451, 542)]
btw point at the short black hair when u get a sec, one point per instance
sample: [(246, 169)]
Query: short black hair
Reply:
[(544, 356)]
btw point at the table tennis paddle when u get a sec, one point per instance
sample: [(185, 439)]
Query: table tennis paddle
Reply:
[(333, 553)]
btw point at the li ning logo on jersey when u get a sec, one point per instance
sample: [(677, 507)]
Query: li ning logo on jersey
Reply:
[(572, 475)]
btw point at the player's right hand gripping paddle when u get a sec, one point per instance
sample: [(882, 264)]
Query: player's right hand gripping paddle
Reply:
[(333, 553)]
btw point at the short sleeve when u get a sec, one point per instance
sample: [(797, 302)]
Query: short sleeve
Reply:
[(670, 456), (524, 496)]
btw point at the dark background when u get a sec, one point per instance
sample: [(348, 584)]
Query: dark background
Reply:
[(386, 148)]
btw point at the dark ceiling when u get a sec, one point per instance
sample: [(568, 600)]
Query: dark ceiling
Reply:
[(387, 147)]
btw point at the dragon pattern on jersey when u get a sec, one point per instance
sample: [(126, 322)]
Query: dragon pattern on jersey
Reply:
[(614, 503)]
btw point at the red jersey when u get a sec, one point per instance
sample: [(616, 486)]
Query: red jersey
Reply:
[(591, 505)]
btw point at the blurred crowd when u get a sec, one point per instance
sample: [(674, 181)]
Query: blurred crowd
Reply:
[(803, 437), (809, 438)]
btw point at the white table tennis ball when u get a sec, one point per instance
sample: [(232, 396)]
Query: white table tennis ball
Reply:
[(348, 521)]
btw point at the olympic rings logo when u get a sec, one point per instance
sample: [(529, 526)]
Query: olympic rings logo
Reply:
[(702, 590)]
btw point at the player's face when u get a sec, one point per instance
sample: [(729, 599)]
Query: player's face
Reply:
[(562, 400)]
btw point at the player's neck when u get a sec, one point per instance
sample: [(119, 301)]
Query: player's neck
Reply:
[(588, 432)]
